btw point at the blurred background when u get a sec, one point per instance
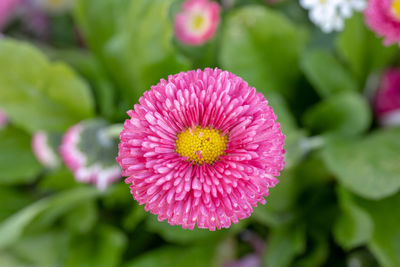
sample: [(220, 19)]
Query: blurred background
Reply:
[(70, 70)]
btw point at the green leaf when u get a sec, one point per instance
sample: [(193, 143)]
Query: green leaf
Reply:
[(17, 162), (354, 227), (262, 47), (15, 199), (284, 244), (12, 228), (385, 242), (345, 113), (290, 129), (362, 50), (368, 167), (37, 94), (103, 248), (44, 249), (197, 256), (82, 218), (133, 40), (326, 74), (148, 40)]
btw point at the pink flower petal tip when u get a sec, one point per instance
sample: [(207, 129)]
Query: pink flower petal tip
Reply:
[(198, 21), (383, 17), (387, 99), (43, 151), (202, 148)]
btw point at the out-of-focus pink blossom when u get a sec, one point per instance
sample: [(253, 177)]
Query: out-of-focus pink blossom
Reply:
[(3, 119), (198, 21)]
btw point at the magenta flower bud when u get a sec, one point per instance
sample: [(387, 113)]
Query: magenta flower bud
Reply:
[(45, 149), (198, 21), (383, 17), (387, 99), (202, 148), (90, 153)]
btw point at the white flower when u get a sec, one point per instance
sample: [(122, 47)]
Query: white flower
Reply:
[(347, 7), (324, 13), (329, 15)]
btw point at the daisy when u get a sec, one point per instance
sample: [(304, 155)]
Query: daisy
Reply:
[(198, 22), (90, 154), (202, 148), (324, 13), (347, 7), (383, 17)]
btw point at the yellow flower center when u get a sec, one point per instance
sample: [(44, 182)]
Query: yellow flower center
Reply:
[(396, 8), (201, 145), (198, 21)]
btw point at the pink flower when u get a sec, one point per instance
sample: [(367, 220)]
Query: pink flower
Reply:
[(7, 8), (387, 99), (90, 154), (201, 148), (383, 17), (198, 21), (43, 150), (3, 119)]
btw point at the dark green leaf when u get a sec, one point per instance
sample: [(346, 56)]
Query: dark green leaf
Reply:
[(345, 113), (262, 47), (326, 74)]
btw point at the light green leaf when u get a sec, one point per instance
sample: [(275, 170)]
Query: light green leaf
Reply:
[(37, 94), (368, 167), (262, 47), (12, 228), (354, 227), (17, 162), (362, 50), (284, 244), (44, 249), (326, 74), (345, 113)]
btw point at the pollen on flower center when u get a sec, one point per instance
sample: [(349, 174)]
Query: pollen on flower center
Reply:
[(198, 21), (396, 8), (201, 145)]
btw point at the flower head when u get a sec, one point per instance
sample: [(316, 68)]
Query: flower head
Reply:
[(329, 15), (387, 99), (198, 21), (7, 8), (383, 17), (90, 153), (201, 148), (45, 149)]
